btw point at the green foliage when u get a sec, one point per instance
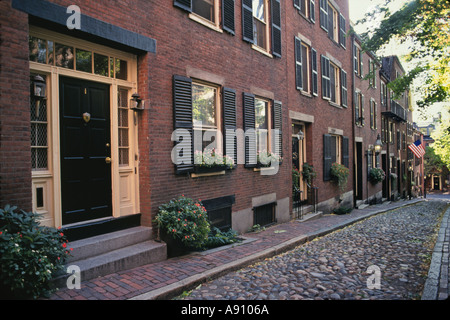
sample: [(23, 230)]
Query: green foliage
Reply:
[(211, 158), (342, 210), (441, 147), (266, 158), (30, 254), (426, 27), (217, 238), (376, 175), (186, 220), (339, 174), (309, 174)]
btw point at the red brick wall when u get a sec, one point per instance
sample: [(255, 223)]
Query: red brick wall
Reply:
[(15, 151)]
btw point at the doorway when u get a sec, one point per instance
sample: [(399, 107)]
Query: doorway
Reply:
[(298, 160), (85, 141), (359, 171)]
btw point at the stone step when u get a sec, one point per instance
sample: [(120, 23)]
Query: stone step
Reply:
[(109, 253), (94, 246)]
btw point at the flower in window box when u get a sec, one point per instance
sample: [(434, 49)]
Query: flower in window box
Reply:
[(266, 158), (376, 175), (211, 158)]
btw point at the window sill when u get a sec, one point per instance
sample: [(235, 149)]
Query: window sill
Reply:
[(209, 174), (205, 22), (335, 104), (306, 94), (261, 50)]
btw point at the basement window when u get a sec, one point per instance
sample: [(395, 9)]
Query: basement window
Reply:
[(264, 215)]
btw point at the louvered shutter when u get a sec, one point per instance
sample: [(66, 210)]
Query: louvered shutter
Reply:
[(182, 108), (361, 64), (228, 16), (324, 14), (277, 116), (315, 76), (298, 64), (357, 106), (342, 31), (326, 82), (183, 4), (355, 58), (312, 10), (363, 120), (229, 123), (276, 28), (345, 152), (344, 90), (327, 157), (250, 131), (247, 21)]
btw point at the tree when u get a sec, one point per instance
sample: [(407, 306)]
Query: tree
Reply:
[(442, 141), (425, 26)]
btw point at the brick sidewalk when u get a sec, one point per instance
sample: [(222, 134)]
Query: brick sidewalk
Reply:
[(171, 277)]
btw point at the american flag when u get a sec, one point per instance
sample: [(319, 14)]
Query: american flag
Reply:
[(417, 148)]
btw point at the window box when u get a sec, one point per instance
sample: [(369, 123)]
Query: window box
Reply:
[(210, 169)]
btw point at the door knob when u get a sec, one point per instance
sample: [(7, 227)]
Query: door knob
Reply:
[(108, 160)]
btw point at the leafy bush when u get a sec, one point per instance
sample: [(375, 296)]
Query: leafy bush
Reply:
[(217, 238), (266, 158), (184, 219), (342, 210), (340, 174), (211, 158), (309, 174), (30, 254), (376, 175)]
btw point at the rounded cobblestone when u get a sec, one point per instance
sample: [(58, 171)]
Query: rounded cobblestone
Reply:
[(398, 243)]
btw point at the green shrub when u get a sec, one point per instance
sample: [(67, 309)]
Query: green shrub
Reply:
[(184, 219), (30, 254), (376, 175), (342, 210), (217, 238)]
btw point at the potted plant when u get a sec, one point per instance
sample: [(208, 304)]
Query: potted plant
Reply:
[(266, 158), (339, 174), (376, 175), (31, 255), (211, 161), (183, 224), (309, 174)]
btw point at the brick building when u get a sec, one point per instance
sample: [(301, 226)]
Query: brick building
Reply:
[(242, 77)]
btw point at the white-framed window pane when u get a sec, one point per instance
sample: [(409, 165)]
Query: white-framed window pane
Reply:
[(204, 105), (261, 124), (259, 9), (123, 134), (204, 8)]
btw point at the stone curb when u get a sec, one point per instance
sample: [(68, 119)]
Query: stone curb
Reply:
[(436, 285), (177, 288)]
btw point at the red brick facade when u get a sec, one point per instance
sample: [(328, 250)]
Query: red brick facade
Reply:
[(190, 49)]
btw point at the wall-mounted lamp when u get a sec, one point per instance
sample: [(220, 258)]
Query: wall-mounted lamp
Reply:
[(136, 103), (39, 87), (378, 144), (300, 135)]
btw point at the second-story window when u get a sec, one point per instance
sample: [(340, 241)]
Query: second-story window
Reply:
[(260, 23), (205, 9)]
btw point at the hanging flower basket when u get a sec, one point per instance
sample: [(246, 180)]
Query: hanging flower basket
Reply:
[(376, 175)]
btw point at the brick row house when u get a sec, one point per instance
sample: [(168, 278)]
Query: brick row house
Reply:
[(239, 77)]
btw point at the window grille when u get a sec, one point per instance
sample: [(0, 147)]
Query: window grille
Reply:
[(39, 136), (124, 144)]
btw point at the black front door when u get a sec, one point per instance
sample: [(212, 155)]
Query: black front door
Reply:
[(85, 150)]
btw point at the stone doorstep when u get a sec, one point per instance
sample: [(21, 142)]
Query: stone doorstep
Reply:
[(113, 252)]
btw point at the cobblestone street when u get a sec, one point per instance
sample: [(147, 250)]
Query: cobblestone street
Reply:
[(392, 249)]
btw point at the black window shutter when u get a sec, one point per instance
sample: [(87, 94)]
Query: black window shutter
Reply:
[(355, 58), (327, 157), (357, 106), (183, 4), (315, 76), (229, 122), (276, 28), (278, 127), (247, 21), (228, 16), (249, 129), (345, 152), (298, 64), (342, 31), (326, 83), (363, 120), (182, 108), (344, 90), (324, 14), (312, 10)]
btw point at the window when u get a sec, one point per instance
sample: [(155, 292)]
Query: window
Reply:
[(260, 23), (333, 23), (335, 150), (255, 25), (69, 57), (373, 114), (198, 121), (372, 73), (315, 76), (261, 124), (358, 60), (359, 108), (383, 92), (302, 53), (39, 133), (391, 132), (306, 8), (205, 116), (335, 84), (124, 144), (205, 9)]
